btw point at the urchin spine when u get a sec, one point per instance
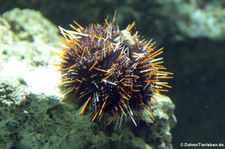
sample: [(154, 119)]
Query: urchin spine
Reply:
[(111, 72)]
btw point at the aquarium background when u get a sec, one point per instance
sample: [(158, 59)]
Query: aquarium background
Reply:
[(193, 34)]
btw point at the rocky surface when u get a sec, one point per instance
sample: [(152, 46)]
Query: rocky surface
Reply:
[(26, 48), (31, 114), (38, 121), (167, 20)]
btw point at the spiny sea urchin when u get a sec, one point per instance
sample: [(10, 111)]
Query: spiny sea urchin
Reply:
[(113, 74)]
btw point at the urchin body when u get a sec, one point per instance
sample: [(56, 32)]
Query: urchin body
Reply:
[(112, 73)]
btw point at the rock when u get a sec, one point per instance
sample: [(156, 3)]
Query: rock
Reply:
[(31, 114), (166, 20), (200, 19), (26, 48), (32, 28), (31, 120)]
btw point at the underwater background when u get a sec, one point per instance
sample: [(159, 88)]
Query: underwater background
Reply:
[(193, 34)]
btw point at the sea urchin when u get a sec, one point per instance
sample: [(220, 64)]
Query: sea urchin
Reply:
[(112, 73)]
